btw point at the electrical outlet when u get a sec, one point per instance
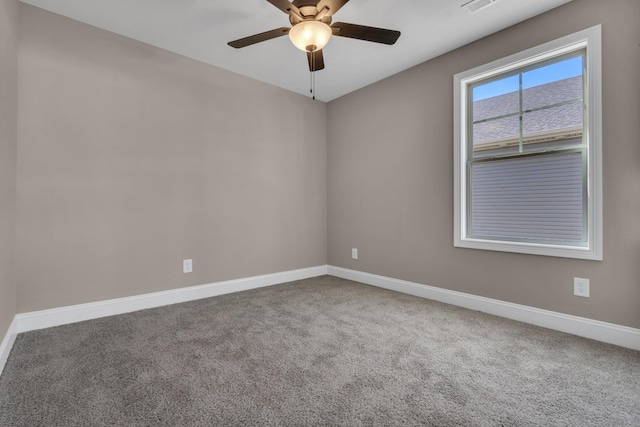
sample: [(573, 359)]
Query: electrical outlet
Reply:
[(581, 287), (354, 253), (187, 265)]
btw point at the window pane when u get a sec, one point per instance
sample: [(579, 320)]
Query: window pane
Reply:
[(568, 116), (500, 134), (495, 111), (531, 146), (496, 99), (552, 84), (529, 199), (552, 124)]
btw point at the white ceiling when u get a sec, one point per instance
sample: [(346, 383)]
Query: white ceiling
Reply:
[(200, 29)]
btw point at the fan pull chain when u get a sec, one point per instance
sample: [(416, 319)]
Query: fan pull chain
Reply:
[(312, 77)]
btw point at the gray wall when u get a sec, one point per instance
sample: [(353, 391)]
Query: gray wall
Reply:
[(390, 157), (132, 159), (8, 146)]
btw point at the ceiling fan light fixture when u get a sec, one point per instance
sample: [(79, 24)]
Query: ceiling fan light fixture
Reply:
[(310, 36)]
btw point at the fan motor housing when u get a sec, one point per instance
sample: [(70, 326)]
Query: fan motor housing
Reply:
[(308, 9), (303, 3)]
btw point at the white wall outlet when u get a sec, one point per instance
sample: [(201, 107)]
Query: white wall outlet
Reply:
[(354, 253), (581, 287), (187, 265)]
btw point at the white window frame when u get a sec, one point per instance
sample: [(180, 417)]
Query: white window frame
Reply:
[(589, 39)]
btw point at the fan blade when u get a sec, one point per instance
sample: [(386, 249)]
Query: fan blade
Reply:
[(257, 38), (333, 5), (360, 32), (316, 60), (287, 7)]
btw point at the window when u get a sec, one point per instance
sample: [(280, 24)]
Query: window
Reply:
[(527, 151)]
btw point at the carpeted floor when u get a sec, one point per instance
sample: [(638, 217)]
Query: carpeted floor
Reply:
[(321, 351)]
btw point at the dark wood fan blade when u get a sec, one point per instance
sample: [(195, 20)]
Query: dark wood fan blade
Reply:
[(257, 38), (316, 60), (287, 7), (333, 5), (360, 32)]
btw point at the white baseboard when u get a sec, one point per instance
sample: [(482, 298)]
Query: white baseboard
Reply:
[(77, 313), (7, 343), (601, 331)]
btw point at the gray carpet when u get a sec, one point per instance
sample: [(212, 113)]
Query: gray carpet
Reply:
[(322, 351)]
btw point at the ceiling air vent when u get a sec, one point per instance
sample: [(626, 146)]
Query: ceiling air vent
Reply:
[(475, 5)]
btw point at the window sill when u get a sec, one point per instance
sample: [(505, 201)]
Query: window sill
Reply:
[(593, 254)]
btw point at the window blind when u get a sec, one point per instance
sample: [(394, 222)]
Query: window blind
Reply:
[(538, 198)]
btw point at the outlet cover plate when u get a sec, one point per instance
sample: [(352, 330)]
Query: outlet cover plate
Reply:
[(581, 287), (187, 265)]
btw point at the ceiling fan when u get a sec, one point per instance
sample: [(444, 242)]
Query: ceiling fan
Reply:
[(312, 29)]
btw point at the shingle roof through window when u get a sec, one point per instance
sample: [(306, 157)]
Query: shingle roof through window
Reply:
[(557, 118)]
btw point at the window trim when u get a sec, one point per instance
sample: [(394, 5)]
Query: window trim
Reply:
[(590, 39)]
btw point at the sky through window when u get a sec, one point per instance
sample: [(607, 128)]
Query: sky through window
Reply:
[(549, 73)]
